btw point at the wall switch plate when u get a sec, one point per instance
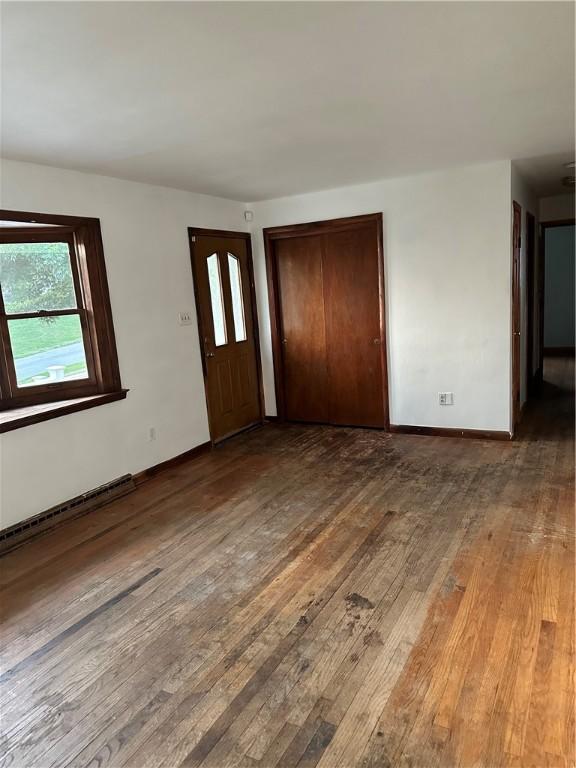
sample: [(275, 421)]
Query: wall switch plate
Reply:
[(185, 318), (446, 398), (248, 215)]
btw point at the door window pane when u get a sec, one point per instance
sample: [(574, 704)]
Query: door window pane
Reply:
[(216, 300), (36, 276), (237, 300), (47, 350)]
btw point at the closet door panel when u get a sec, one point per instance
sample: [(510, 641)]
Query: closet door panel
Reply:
[(299, 271), (353, 329)]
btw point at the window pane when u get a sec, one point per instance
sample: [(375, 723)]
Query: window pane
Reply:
[(36, 276), (237, 300), (216, 300), (47, 350)]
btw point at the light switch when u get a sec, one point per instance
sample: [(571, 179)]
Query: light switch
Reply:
[(185, 318)]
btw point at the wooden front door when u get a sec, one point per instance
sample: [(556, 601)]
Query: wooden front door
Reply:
[(326, 289), (223, 281), (516, 314)]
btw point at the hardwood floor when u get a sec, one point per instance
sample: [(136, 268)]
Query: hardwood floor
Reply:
[(308, 596)]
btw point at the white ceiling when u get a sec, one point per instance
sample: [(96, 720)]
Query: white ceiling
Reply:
[(257, 100)]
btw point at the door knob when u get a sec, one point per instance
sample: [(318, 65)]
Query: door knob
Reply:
[(375, 341), (209, 354), (284, 341)]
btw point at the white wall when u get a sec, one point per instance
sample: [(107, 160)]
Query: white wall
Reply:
[(528, 201), (447, 258), (149, 274), (447, 267), (557, 207)]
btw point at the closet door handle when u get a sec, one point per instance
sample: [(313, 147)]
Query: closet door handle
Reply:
[(375, 341)]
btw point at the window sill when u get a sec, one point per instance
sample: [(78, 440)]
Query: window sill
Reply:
[(15, 418)]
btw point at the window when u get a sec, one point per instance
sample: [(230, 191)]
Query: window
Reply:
[(237, 300), (56, 335), (216, 300)]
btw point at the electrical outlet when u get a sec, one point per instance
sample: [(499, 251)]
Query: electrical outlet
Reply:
[(185, 318), (446, 398)]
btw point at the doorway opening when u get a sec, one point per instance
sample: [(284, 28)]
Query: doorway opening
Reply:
[(550, 302), (558, 288)]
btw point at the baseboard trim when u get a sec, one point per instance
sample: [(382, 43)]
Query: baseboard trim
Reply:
[(193, 453), (270, 418), (471, 434), (559, 351), (20, 533)]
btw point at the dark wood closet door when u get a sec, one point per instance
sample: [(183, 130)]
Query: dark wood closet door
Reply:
[(326, 289), (353, 328), (302, 328)]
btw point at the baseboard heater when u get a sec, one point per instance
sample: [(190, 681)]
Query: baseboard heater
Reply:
[(12, 537)]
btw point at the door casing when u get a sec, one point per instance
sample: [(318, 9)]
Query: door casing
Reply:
[(516, 311), (531, 283)]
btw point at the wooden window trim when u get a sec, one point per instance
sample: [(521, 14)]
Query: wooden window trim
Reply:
[(15, 418), (89, 273)]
